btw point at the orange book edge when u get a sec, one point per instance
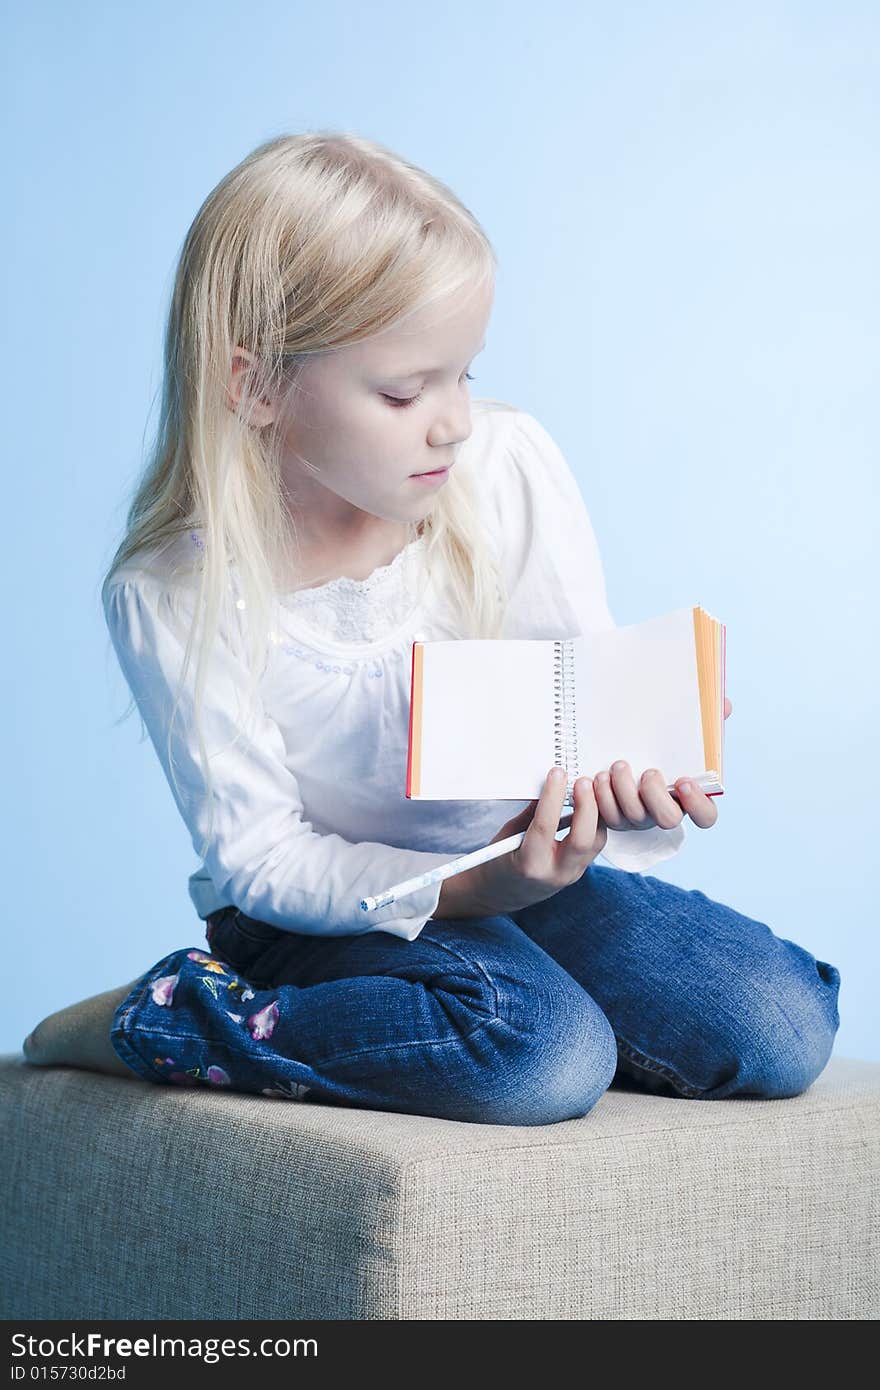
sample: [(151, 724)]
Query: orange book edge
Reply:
[(710, 639)]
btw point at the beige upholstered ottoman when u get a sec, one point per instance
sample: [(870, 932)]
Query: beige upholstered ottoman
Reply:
[(123, 1199)]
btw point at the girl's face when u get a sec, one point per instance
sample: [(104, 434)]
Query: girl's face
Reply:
[(370, 417)]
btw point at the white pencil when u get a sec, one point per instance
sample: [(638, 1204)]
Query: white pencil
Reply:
[(458, 866)]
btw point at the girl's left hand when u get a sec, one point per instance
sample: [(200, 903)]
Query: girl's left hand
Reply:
[(623, 806)]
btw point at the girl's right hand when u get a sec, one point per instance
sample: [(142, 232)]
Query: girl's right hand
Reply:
[(542, 864)]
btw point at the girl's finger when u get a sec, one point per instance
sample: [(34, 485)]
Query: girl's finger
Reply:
[(660, 803), (607, 803), (548, 811), (701, 808), (584, 823), (627, 796)]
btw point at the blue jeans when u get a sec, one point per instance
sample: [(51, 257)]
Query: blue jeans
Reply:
[(523, 1019)]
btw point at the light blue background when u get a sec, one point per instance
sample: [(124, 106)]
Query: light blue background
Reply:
[(684, 200)]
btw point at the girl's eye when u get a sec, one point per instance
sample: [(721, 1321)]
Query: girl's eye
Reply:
[(401, 402)]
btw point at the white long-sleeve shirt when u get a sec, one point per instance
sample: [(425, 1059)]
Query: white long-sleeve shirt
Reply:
[(310, 811)]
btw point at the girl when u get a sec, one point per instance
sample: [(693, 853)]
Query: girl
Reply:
[(322, 492)]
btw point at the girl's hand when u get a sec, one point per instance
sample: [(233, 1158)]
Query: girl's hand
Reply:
[(542, 864), (623, 806)]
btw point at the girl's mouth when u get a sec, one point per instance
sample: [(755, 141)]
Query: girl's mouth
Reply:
[(437, 476)]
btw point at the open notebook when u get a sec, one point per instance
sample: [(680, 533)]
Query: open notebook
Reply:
[(488, 719)]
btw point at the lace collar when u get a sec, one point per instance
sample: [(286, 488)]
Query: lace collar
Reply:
[(357, 610), (361, 610)]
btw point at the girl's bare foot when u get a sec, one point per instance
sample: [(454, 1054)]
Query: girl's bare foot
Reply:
[(79, 1036)]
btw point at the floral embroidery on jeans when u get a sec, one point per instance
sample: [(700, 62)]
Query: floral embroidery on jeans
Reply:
[(208, 962), (162, 989), (214, 1076), (262, 1024)]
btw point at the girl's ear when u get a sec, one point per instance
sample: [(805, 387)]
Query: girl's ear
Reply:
[(260, 409)]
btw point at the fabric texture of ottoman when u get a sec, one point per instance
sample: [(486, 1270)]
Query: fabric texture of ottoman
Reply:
[(125, 1200)]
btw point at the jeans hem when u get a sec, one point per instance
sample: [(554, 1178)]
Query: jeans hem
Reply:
[(658, 1070), (123, 1024)]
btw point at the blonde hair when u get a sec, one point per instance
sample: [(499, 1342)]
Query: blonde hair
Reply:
[(313, 242)]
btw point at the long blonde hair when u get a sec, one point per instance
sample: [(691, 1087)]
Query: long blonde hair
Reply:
[(313, 242)]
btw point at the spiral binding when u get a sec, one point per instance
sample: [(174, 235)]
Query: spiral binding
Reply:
[(565, 742)]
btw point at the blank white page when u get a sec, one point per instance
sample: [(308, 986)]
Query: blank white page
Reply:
[(487, 729), (638, 698)]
